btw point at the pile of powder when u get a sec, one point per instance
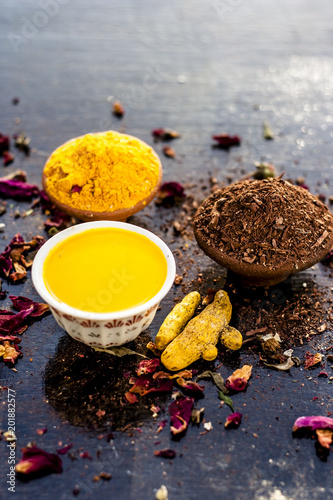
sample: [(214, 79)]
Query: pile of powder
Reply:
[(269, 222), (102, 172)]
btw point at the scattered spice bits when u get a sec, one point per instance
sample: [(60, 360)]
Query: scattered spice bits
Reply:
[(180, 414), (64, 449), (225, 141), (169, 194), (268, 222), (118, 109), (15, 101), (58, 220), (131, 398), (239, 379), (102, 475), (18, 257), (267, 132), (36, 462), (166, 453), (164, 134), (22, 142), (169, 152), (17, 189), (233, 420)]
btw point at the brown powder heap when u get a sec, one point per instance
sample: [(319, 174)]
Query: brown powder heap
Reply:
[(269, 222)]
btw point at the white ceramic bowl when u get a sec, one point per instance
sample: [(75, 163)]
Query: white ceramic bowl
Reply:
[(102, 329)]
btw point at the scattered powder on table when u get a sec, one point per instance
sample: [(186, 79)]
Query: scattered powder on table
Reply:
[(269, 222), (102, 172)]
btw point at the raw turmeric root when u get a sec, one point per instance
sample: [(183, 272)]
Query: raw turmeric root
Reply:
[(177, 319), (201, 334)]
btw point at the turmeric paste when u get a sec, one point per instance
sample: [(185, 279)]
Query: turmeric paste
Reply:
[(102, 172)]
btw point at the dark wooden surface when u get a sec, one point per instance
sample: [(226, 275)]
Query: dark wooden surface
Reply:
[(223, 66)]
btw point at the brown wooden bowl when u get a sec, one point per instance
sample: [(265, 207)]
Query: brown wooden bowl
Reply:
[(117, 215), (257, 275)]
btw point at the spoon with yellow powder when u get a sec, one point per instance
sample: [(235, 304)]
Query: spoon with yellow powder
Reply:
[(102, 176)]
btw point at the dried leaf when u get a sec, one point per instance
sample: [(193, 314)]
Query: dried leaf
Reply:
[(119, 351), (226, 399), (283, 367), (217, 379)]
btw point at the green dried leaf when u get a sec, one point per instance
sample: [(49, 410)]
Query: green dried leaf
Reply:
[(226, 399), (217, 379), (120, 351)]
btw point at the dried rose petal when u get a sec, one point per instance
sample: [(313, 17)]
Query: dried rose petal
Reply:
[(4, 143), (118, 109), (146, 384), (164, 134), (313, 423), (11, 352), (76, 189), (324, 437), (170, 193), (233, 420), (328, 260), (85, 454), (190, 386), (12, 259), (161, 426), (152, 347), (64, 449), (184, 374), (312, 359), (239, 379), (17, 190), (131, 398), (40, 432), (8, 158), (24, 304), (180, 414), (225, 141), (169, 152), (10, 323), (147, 366), (35, 460), (166, 453)]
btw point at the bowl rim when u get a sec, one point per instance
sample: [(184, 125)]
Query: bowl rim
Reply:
[(38, 264)]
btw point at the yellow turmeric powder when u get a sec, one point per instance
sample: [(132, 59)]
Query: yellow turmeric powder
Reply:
[(102, 172)]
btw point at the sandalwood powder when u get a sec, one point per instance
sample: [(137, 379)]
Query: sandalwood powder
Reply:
[(102, 172)]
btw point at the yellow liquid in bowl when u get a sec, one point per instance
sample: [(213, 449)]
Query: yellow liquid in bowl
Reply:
[(105, 270)]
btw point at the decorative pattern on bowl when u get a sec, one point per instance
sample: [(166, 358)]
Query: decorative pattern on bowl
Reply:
[(105, 333)]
